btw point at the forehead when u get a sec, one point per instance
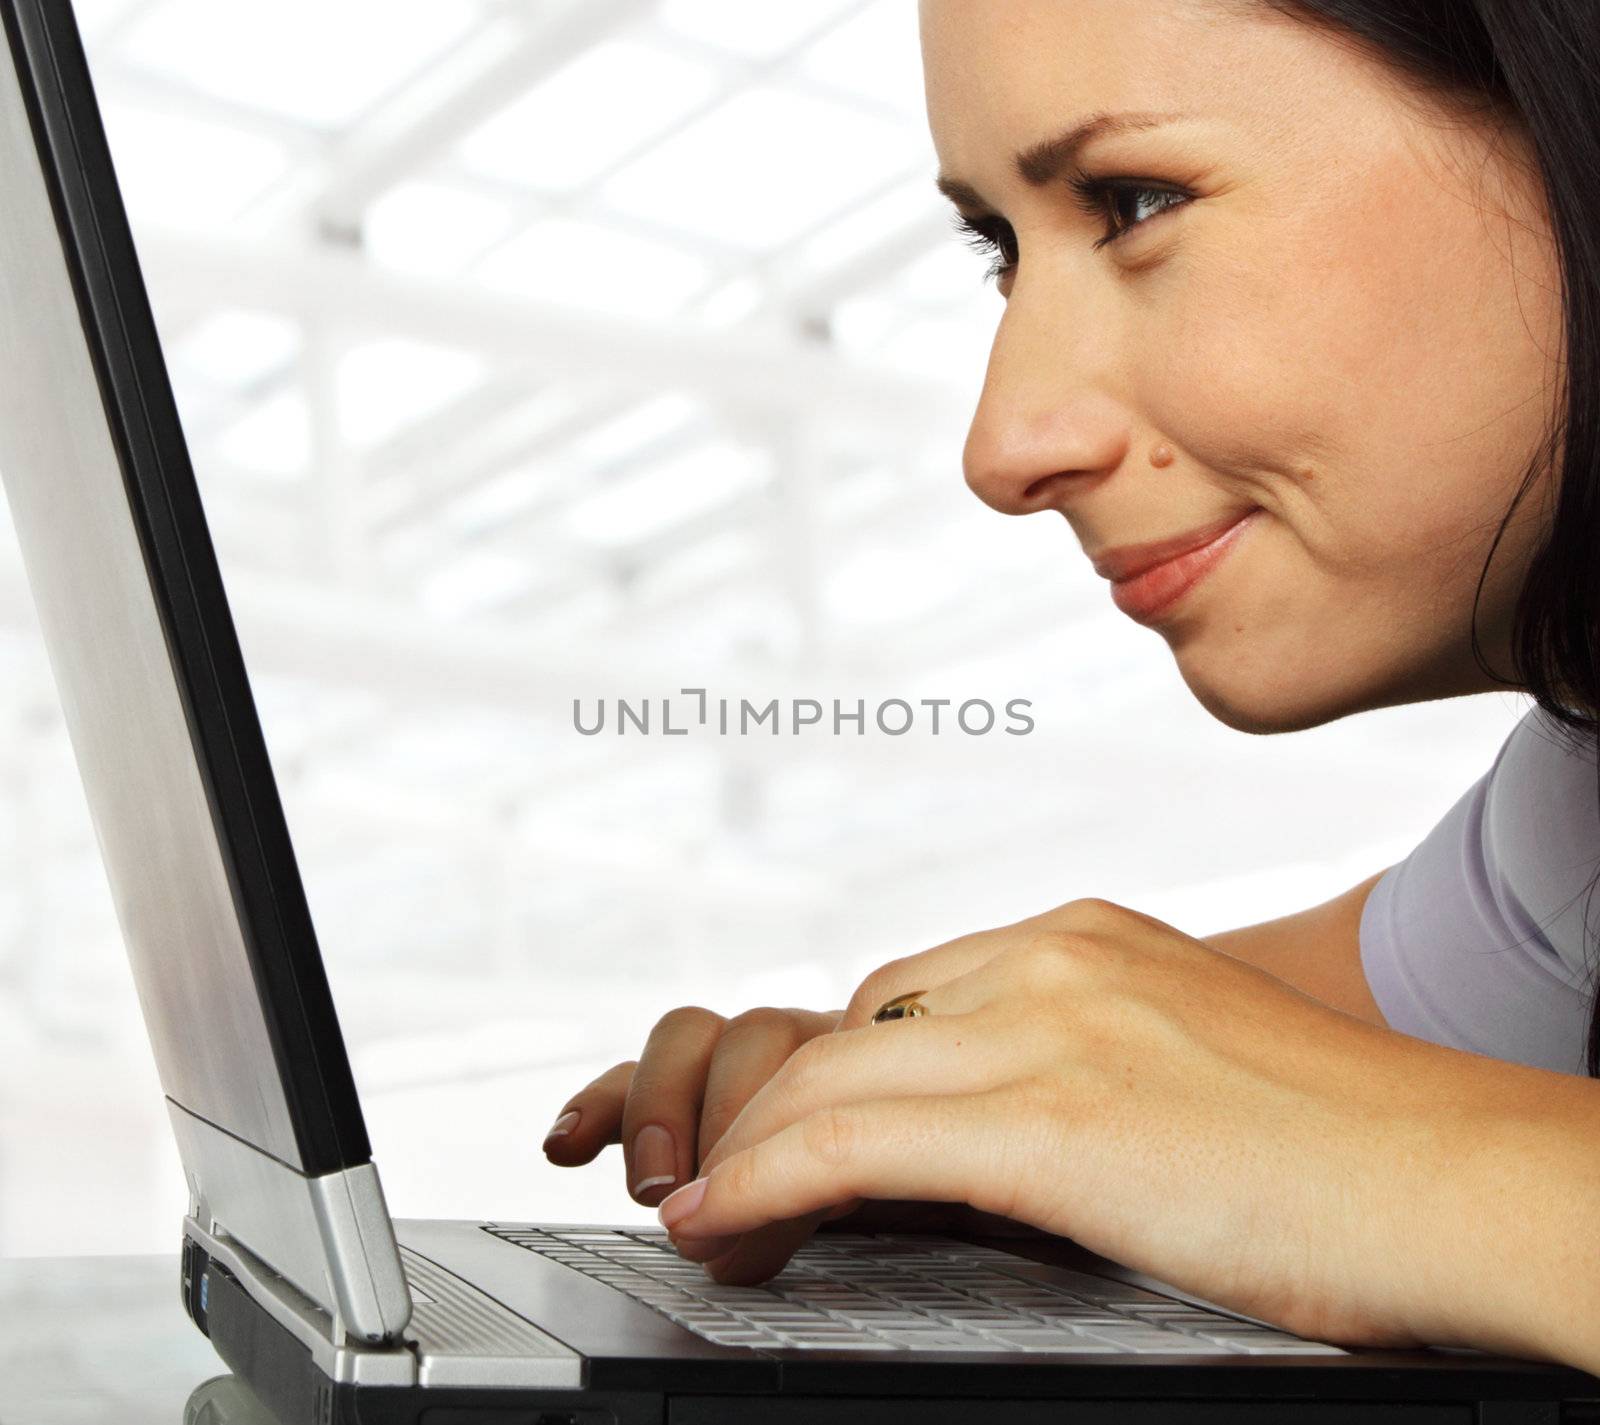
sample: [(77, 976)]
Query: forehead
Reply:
[(1001, 77)]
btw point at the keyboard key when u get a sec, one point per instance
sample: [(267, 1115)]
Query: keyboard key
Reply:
[(936, 1340), (1043, 1338), (1299, 1348), (842, 1340)]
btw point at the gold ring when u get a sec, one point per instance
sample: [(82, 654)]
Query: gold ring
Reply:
[(906, 1006)]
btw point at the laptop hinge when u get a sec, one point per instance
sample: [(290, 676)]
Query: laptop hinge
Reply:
[(329, 1236), (307, 1322)]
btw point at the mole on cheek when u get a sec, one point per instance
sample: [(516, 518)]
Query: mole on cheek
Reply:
[(1161, 456), (1308, 474)]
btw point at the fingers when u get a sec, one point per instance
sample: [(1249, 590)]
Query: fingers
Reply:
[(753, 1047), (744, 1259), (661, 1116), (590, 1120), (751, 1257), (696, 1073), (938, 1054), (921, 972), (951, 1150)]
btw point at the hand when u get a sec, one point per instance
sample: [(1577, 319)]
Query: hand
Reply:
[(1095, 1073), (668, 1108)]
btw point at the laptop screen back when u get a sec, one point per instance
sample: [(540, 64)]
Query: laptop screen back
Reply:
[(140, 640)]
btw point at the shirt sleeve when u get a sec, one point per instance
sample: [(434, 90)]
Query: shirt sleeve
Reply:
[(1477, 940)]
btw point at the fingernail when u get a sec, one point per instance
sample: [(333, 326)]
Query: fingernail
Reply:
[(655, 1159), (563, 1125), (681, 1204)]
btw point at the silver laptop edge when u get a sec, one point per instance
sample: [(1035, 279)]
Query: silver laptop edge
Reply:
[(330, 1235)]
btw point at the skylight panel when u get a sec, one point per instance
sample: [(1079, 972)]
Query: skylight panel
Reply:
[(589, 114), (386, 385), (305, 59), (943, 276), (475, 581), (759, 31), (273, 439), (758, 170), (433, 228), (495, 501), (584, 264), (953, 348), (666, 494), (700, 566), (880, 218), (188, 173), (877, 55), (636, 428), (234, 348), (861, 323), (733, 303), (96, 16)]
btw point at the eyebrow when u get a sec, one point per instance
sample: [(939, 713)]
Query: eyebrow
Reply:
[(1039, 163)]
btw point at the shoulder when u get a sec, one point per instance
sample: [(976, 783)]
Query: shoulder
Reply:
[(1541, 832), (1477, 938)]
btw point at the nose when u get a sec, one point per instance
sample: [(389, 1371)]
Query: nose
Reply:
[(1045, 425)]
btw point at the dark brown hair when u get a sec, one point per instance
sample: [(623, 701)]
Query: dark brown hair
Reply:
[(1537, 62)]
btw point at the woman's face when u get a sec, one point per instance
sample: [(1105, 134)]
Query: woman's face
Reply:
[(1327, 304)]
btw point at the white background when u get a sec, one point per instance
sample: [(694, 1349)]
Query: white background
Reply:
[(600, 348)]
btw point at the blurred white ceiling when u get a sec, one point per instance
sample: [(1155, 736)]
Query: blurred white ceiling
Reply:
[(541, 350)]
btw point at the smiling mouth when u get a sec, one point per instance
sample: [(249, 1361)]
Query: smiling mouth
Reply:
[(1127, 560), (1157, 580)]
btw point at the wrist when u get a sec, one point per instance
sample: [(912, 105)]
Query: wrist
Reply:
[(1517, 1235)]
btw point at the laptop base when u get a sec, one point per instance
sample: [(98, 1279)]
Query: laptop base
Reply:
[(472, 1358)]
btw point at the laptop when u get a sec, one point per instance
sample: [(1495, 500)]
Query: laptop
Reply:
[(328, 1308)]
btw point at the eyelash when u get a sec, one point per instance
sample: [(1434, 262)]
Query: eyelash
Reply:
[(991, 236)]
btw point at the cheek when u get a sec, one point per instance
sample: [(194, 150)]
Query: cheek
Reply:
[(1375, 382)]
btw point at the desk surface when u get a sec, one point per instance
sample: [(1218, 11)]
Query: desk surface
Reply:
[(98, 1341)]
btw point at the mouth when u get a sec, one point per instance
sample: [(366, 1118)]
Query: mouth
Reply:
[(1149, 579)]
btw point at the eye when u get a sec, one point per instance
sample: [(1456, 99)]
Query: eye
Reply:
[(1123, 202), (990, 236), (1110, 197)]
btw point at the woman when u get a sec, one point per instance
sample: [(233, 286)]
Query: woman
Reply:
[(1304, 287)]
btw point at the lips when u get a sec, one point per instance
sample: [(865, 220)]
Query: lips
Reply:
[(1129, 560), (1150, 595)]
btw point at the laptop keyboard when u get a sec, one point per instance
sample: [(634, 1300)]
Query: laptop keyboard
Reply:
[(892, 1293)]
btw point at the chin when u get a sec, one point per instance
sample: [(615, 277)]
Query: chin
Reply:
[(1266, 704), (1265, 690), (1260, 715)]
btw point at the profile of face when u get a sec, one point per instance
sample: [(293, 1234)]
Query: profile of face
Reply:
[(1317, 298)]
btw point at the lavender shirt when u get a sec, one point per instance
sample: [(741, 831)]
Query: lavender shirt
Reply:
[(1476, 940)]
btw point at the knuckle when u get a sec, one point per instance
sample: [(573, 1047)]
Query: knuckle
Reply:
[(829, 1137), (741, 1175), (1052, 956), (878, 986), (801, 1068), (1088, 915), (717, 1115), (615, 1080), (1094, 910), (688, 1019), (1078, 948), (763, 1022)]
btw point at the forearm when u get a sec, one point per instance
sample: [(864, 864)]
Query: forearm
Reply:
[(1318, 951), (1512, 1263)]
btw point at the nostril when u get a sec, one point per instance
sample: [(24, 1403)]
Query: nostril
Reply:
[(1044, 492)]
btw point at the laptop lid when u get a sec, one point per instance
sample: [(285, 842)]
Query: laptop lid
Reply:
[(163, 725)]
